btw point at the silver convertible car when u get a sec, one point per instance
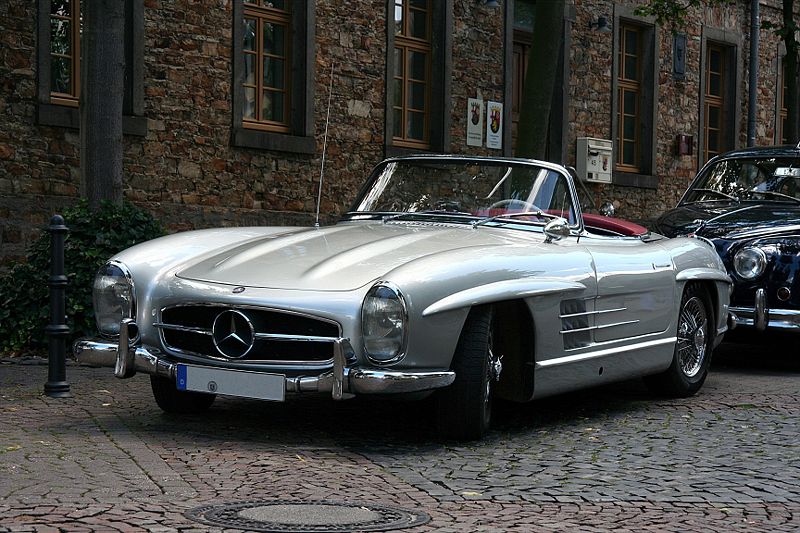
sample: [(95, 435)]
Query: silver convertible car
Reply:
[(473, 278)]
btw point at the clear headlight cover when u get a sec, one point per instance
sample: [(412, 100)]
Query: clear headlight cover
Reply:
[(113, 297), (383, 324), (749, 263)]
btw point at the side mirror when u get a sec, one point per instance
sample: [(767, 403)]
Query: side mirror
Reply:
[(556, 229), (607, 209)]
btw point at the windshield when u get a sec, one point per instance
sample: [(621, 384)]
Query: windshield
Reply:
[(465, 189), (769, 179)]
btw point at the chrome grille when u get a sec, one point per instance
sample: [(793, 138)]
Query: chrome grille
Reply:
[(278, 336)]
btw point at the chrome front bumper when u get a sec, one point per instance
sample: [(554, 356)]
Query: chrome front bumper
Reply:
[(342, 381), (761, 318)]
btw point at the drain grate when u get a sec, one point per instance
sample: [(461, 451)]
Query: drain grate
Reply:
[(291, 516)]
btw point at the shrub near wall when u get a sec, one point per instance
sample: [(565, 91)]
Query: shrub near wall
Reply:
[(94, 237)]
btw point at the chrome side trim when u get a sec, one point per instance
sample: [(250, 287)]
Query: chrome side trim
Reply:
[(600, 312), (604, 353), (602, 326)]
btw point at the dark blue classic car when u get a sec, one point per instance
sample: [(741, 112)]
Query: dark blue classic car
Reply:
[(747, 202)]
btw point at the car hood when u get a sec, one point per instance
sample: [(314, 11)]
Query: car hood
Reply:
[(338, 258), (731, 220)]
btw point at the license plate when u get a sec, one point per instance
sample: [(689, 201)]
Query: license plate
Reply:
[(243, 383)]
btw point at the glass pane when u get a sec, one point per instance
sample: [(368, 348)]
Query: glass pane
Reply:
[(397, 122), (713, 117), (272, 106), (60, 75), (250, 69), (422, 4), (713, 141), (274, 39), (416, 126), (283, 5), (715, 60), (524, 11), (398, 17), (416, 96), (250, 34), (398, 93), (249, 102), (629, 103), (273, 73), (398, 62), (419, 24), (629, 128), (418, 66), (715, 85), (631, 42), (60, 7), (60, 36), (628, 151)]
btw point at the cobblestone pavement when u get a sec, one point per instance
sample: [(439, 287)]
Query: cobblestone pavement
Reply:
[(615, 458)]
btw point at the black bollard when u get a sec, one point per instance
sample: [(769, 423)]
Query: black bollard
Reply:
[(57, 331)]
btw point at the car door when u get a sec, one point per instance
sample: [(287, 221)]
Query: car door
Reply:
[(635, 287)]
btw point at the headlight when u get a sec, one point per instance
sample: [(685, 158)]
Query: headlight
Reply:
[(383, 324), (749, 263), (113, 297)]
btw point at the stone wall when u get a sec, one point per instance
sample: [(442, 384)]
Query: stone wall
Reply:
[(187, 173)]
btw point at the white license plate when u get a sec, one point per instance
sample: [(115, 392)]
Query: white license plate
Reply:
[(243, 383)]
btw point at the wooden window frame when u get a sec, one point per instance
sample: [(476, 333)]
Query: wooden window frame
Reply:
[(783, 112), (57, 109), (266, 15), (624, 86), (715, 101), (644, 174), (407, 44), (74, 19)]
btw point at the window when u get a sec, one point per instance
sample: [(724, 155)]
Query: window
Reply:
[(720, 108), (714, 110), (65, 31), (412, 73), (273, 77), (629, 96), (59, 36), (633, 103), (267, 64), (524, 11), (418, 93)]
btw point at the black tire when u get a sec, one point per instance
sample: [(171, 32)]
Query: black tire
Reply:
[(465, 407), (692, 356), (172, 400)]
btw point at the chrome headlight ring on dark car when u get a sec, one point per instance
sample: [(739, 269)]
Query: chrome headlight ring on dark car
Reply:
[(384, 319), (749, 262), (113, 296)]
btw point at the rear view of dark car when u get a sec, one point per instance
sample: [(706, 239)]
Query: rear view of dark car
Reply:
[(747, 202)]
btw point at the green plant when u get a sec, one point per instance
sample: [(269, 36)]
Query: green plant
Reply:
[(93, 237)]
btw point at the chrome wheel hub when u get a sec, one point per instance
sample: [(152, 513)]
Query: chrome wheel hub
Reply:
[(692, 337)]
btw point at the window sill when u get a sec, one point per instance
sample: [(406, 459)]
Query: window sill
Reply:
[(629, 179), (68, 117), (281, 142)]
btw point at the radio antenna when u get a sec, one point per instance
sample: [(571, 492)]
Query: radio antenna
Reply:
[(324, 148)]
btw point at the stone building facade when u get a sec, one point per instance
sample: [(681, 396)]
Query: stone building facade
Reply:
[(226, 100)]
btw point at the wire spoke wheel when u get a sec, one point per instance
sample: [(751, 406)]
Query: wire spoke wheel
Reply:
[(692, 336)]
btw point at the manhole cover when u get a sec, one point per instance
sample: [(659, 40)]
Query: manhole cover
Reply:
[(280, 516)]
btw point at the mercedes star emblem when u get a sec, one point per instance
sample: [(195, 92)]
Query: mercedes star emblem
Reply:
[(233, 334)]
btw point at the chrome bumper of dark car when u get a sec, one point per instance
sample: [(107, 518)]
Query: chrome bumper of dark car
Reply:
[(761, 318), (342, 381)]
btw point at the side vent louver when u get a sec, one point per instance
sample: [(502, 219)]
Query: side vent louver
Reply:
[(574, 324)]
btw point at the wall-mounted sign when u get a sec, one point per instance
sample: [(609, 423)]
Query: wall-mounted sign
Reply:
[(494, 125), (474, 122)]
